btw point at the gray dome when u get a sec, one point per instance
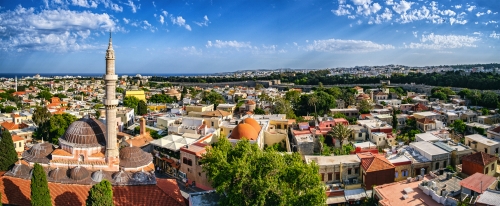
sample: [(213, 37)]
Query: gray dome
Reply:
[(79, 173), (140, 176), (121, 177), (86, 132), (20, 170), (134, 157), (58, 174), (98, 176), (38, 153)]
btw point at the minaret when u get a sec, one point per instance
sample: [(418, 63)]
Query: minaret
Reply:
[(16, 83), (110, 102)]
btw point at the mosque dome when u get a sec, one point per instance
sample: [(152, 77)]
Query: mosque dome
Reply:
[(98, 176), (20, 170), (244, 130), (86, 132), (253, 123), (58, 174), (121, 177), (38, 153), (78, 173), (140, 176), (134, 157)]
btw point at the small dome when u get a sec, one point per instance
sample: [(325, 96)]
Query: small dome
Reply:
[(97, 176), (140, 176), (244, 130), (58, 174), (79, 173), (20, 170), (121, 177), (86, 132), (134, 157), (254, 124), (38, 153)]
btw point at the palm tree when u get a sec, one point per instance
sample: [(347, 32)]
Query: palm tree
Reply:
[(313, 100), (341, 132)]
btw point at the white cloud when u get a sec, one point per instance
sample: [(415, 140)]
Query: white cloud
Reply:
[(495, 35), (191, 50), (133, 6), (480, 14), (402, 7), (51, 30), (228, 44), (457, 21), (165, 13), (146, 23), (126, 20), (488, 12), (154, 4), (361, 2), (180, 21), (342, 10), (448, 13), (346, 46), (458, 6), (389, 2), (471, 8), (82, 3), (205, 21), (162, 19), (438, 42), (477, 33), (415, 34)]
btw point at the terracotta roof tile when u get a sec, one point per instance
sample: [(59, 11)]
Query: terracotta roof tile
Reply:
[(374, 162), (61, 152), (16, 191), (16, 138), (480, 158), (477, 182)]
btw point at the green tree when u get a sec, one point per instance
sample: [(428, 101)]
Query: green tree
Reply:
[(341, 132), (97, 114), (40, 195), (259, 111), (394, 119), (459, 126), (489, 99), (365, 107), (213, 97), (293, 96), (8, 156), (280, 179), (41, 115), (55, 127), (142, 108), (131, 102), (45, 95), (120, 90), (100, 194), (313, 100)]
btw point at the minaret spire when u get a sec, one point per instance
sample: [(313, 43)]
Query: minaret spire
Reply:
[(110, 102)]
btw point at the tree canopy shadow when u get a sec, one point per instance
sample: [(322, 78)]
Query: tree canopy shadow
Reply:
[(67, 198)]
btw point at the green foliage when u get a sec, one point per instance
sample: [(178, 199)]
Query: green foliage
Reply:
[(394, 119), (7, 109), (489, 99), (98, 106), (319, 103), (160, 98), (142, 108), (485, 111), (341, 132), (120, 90), (131, 101), (365, 107), (278, 179), (480, 131), (100, 194), (40, 195), (459, 126), (450, 168), (45, 95), (278, 147), (8, 156), (54, 127), (97, 114), (61, 96), (259, 111), (344, 150), (213, 97), (259, 86)]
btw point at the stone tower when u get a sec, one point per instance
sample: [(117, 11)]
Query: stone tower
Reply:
[(110, 102)]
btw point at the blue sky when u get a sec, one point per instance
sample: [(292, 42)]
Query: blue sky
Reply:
[(218, 35)]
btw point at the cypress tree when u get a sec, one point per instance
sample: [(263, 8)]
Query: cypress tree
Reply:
[(100, 194), (8, 155), (40, 194)]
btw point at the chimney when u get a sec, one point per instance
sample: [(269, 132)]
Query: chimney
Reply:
[(142, 122)]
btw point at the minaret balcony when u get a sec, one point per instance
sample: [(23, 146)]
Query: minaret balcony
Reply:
[(110, 77)]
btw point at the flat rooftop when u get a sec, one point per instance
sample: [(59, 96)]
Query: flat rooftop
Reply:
[(482, 139), (428, 148), (332, 160), (428, 137), (392, 194)]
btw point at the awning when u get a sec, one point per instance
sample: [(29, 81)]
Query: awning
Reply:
[(354, 195), (335, 200)]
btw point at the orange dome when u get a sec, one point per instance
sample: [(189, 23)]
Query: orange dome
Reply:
[(244, 130), (254, 124)]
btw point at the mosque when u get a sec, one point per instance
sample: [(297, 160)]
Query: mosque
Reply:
[(88, 151)]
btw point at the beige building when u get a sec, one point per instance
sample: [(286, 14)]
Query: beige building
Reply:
[(334, 169), (190, 168), (402, 165), (199, 108), (227, 107), (18, 143), (480, 143), (139, 94)]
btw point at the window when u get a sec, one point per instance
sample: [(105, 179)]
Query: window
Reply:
[(436, 166), (349, 171), (486, 170), (20, 145), (337, 175), (199, 174), (396, 175), (445, 163), (356, 170), (330, 176), (485, 150), (496, 150), (212, 124), (404, 173), (278, 126), (493, 166), (360, 134), (322, 176)]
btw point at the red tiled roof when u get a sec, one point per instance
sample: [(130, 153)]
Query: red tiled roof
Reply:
[(426, 121), (17, 191), (497, 129), (13, 126), (374, 162), (16, 138), (480, 158), (475, 181)]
